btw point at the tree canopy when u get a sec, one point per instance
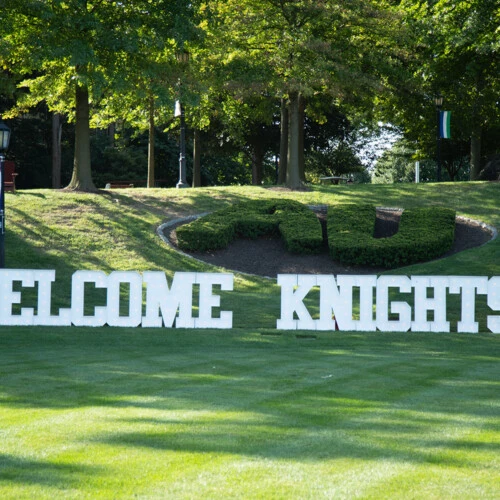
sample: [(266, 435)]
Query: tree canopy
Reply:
[(258, 66), (73, 53)]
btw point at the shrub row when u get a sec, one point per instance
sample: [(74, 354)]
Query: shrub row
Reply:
[(298, 226), (424, 234)]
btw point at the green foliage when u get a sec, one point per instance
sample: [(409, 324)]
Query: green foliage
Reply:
[(330, 141), (424, 234), (125, 158), (358, 56), (304, 49), (452, 49), (297, 225), (397, 164), (115, 56)]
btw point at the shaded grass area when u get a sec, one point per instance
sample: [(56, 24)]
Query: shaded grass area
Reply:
[(114, 413)]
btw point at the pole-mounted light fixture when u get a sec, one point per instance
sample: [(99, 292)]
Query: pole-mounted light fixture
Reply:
[(4, 144), (438, 101), (182, 57), (4, 137)]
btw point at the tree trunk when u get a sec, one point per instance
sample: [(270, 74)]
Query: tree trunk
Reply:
[(283, 143), (151, 144), (196, 158), (293, 165), (257, 163), (476, 120), (475, 152), (81, 179), (56, 150), (111, 134), (302, 172)]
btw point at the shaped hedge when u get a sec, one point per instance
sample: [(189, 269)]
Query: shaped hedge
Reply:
[(424, 234), (298, 226)]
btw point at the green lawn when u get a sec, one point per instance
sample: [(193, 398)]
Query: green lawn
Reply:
[(244, 413), (114, 413)]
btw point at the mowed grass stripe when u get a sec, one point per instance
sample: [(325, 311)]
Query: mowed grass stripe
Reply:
[(186, 415)]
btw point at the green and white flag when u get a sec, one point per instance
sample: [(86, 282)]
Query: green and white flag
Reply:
[(444, 124)]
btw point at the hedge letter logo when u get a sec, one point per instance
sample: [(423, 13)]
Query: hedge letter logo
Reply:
[(424, 233), (294, 222)]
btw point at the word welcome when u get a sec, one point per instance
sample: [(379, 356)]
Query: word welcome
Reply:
[(133, 299)]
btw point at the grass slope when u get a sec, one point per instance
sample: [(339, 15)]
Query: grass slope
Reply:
[(247, 413)]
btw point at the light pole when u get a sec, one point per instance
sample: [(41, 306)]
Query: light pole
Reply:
[(438, 101), (183, 58), (4, 144)]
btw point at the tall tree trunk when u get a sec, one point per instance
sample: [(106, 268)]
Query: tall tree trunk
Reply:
[(283, 143), (257, 163), (196, 158), (111, 134), (302, 172), (476, 132), (81, 179), (151, 144), (56, 150), (475, 152), (293, 166)]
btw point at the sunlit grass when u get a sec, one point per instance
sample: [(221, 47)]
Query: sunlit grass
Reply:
[(250, 412), (114, 413)]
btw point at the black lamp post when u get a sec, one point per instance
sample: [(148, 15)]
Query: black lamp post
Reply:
[(4, 144), (183, 58), (438, 101)]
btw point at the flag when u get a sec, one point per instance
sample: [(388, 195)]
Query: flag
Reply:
[(444, 124)]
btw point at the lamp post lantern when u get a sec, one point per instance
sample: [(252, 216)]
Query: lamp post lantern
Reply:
[(182, 58), (438, 101), (4, 144)]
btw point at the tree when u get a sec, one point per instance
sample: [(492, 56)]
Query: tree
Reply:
[(72, 53), (397, 165), (295, 49), (468, 43), (56, 150), (453, 51)]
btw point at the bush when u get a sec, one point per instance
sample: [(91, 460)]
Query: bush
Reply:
[(424, 234), (298, 226)]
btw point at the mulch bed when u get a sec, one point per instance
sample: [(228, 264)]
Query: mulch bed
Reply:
[(268, 256)]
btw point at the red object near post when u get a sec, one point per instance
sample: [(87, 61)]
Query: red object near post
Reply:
[(9, 169)]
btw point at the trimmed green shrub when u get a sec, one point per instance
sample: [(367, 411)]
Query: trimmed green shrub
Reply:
[(424, 234), (298, 226)]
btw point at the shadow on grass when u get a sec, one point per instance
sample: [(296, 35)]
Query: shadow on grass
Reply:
[(409, 397), (72, 245), (356, 440), (30, 472)]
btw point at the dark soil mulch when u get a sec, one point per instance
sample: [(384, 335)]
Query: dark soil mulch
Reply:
[(268, 256)]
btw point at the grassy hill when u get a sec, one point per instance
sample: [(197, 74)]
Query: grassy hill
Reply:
[(116, 230), (246, 413)]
